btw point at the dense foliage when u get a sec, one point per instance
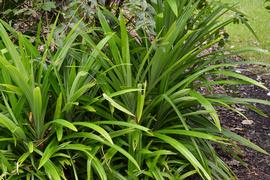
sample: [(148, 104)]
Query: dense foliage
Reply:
[(111, 102)]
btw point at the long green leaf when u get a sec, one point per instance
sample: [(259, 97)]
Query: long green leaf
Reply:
[(117, 106), (12, 127), (96, 128), (185, 152), (208, 106), (37, 111)]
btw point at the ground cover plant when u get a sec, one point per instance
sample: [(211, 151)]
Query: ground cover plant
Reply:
[(111, 104)]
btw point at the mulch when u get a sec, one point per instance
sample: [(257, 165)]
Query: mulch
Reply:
[(255, 166)]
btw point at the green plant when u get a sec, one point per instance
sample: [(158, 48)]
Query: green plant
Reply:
[(111, 105)]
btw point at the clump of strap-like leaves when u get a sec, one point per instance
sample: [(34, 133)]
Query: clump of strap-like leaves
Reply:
[(109, 104)]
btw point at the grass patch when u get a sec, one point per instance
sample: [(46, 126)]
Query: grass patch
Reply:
[(259, 19)]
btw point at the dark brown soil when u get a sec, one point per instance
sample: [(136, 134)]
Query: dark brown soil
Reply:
[(257, 165)]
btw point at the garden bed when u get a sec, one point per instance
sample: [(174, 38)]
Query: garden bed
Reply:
[(256, 130)]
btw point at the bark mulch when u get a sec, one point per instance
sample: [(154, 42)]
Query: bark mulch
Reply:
[(257, 130)]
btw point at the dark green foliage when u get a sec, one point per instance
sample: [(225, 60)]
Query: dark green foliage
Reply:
[(267, 2)]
